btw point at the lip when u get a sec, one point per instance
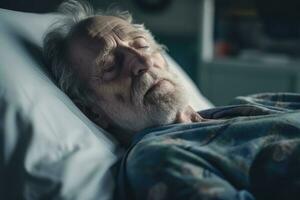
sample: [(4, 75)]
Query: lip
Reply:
[(154, 85)]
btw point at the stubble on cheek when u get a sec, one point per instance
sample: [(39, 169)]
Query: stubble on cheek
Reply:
[(120, 98)]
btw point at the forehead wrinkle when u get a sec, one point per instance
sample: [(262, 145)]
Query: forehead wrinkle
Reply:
[(104, 35), (128, 32), (99, 27), (99, 46), (99, 30), (123, 30)]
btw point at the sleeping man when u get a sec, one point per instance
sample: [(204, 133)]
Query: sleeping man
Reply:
[(115, 72)]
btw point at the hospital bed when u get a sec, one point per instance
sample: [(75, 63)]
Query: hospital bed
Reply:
[(50, 149)]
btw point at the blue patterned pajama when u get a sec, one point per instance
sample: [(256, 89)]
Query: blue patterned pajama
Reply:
[(251, 150)]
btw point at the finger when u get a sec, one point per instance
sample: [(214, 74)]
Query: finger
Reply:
[(197, 118)]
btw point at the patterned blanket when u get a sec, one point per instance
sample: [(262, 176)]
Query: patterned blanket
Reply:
[(250, 150)]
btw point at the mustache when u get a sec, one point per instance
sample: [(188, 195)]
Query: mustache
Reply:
[(140, 86)]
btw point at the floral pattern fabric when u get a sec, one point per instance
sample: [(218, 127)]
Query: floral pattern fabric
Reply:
[(249, 150)]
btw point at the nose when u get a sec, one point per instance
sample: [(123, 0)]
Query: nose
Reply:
[(142, 65), (137, 63)]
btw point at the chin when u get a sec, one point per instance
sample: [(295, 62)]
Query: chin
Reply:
[(163, 109), (155, 107)]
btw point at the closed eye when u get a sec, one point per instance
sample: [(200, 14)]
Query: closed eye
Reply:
[(108, 63), (144, 47), (141, 43), (109, 69), (109, 73)]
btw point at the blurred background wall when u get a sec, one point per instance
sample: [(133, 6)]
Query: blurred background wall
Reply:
[(228, 47)]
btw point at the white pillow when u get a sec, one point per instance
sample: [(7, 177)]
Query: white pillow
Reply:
[(55, 149), (50, 147)]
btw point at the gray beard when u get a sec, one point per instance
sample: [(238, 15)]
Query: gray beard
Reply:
[(159, 109)]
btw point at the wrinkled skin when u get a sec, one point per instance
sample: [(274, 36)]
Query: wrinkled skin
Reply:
[(130, 80)]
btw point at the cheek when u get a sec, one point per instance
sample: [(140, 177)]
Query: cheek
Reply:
[(159, 61), (120, 98), (113, 93)]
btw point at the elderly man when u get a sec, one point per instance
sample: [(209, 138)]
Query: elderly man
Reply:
[(114, 71)]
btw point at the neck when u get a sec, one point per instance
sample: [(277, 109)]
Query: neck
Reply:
[(124, 137), (186, 115)]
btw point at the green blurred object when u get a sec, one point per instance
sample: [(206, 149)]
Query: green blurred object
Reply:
[(183, 49)]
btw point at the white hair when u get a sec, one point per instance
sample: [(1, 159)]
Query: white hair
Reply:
[(55, 42)]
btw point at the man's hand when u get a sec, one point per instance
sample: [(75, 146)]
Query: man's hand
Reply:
[(188, 115)]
